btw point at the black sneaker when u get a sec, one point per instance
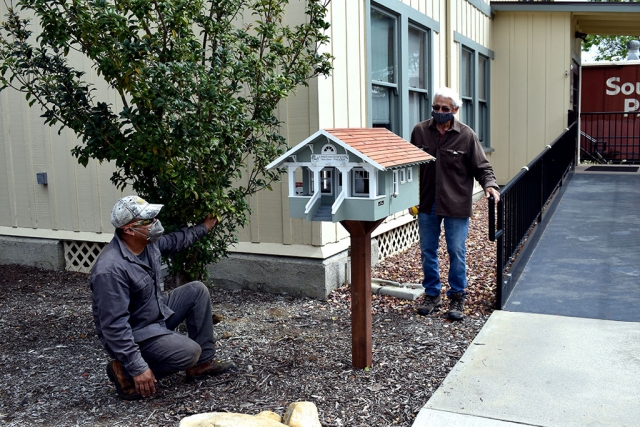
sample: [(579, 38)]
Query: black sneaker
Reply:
[(429, 305), (456, 306)]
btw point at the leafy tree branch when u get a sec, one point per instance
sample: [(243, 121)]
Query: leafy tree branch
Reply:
[(198, 83)]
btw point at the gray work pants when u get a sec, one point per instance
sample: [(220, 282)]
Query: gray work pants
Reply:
[(166, 354)]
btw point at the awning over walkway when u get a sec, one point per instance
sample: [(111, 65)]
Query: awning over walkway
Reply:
[(605, 19)]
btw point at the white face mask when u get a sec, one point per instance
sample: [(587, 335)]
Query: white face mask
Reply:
[(153, 233)]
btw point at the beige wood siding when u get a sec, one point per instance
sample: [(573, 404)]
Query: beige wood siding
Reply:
[(80, 200), (530, 90), (343, 96), (270, 223), (76, 199)]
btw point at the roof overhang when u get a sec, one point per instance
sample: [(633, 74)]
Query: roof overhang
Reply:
[(604, 19)]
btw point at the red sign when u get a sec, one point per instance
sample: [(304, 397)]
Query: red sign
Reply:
[(607, 88)]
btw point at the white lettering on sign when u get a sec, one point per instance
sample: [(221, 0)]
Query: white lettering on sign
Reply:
[(626, 89), (329, 157), (631, 104), (615, 89)]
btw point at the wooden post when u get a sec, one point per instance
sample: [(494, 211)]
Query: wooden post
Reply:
[(361, 347)]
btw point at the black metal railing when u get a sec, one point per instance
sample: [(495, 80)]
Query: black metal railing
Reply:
[(610, 137), (522, 202)]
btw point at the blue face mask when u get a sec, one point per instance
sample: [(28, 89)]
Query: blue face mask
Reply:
[(442, 118)]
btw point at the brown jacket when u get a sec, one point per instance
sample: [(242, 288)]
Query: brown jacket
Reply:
[(449, 180)]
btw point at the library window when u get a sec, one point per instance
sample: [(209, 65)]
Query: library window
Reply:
[(360, 182), (326, 181), (395, 182)]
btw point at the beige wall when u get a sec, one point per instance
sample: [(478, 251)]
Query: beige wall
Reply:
[(271, 230), (530, 90), (528, 108), (77, 201)]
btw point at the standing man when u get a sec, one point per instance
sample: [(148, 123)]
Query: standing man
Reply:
[(134, 321), (446, 192)]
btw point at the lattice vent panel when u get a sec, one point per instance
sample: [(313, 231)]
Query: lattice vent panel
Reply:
[(397, 240), (80, 256)]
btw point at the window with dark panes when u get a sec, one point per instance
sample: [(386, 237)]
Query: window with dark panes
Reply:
[(466, 87), (483, 95), (326, 183), (399, 52), (395, 182), (384, 78), (360, 182), (417, 70), (475, 72)]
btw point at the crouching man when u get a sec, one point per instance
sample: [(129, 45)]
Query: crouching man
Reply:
[(135, 322)]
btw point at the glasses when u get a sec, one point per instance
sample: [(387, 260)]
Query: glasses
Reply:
[(144, 222), (441, 107)]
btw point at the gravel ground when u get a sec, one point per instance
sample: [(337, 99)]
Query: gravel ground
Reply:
[(287, 349)]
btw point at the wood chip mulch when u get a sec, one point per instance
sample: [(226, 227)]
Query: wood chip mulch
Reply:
[(52, 365)]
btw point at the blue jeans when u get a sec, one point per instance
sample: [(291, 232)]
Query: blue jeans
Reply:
[(455, 232)]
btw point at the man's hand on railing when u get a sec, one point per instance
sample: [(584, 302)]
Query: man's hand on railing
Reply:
[(492, 191), (492, 219)]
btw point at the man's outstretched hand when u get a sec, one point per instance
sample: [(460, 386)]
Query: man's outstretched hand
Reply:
[(210, 222), (145, 383)]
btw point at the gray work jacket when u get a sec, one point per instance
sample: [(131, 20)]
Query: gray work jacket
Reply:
[(449, 180), (128, 305)]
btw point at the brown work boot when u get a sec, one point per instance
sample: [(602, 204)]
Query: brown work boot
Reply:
[(429, 305), (456, 306), (124, 385), (210, 368)]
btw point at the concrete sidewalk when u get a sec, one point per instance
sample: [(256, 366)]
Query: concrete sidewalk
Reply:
[(566, 350), (542, 370)]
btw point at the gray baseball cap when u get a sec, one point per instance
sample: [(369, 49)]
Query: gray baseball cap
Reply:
[(131, 207)]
